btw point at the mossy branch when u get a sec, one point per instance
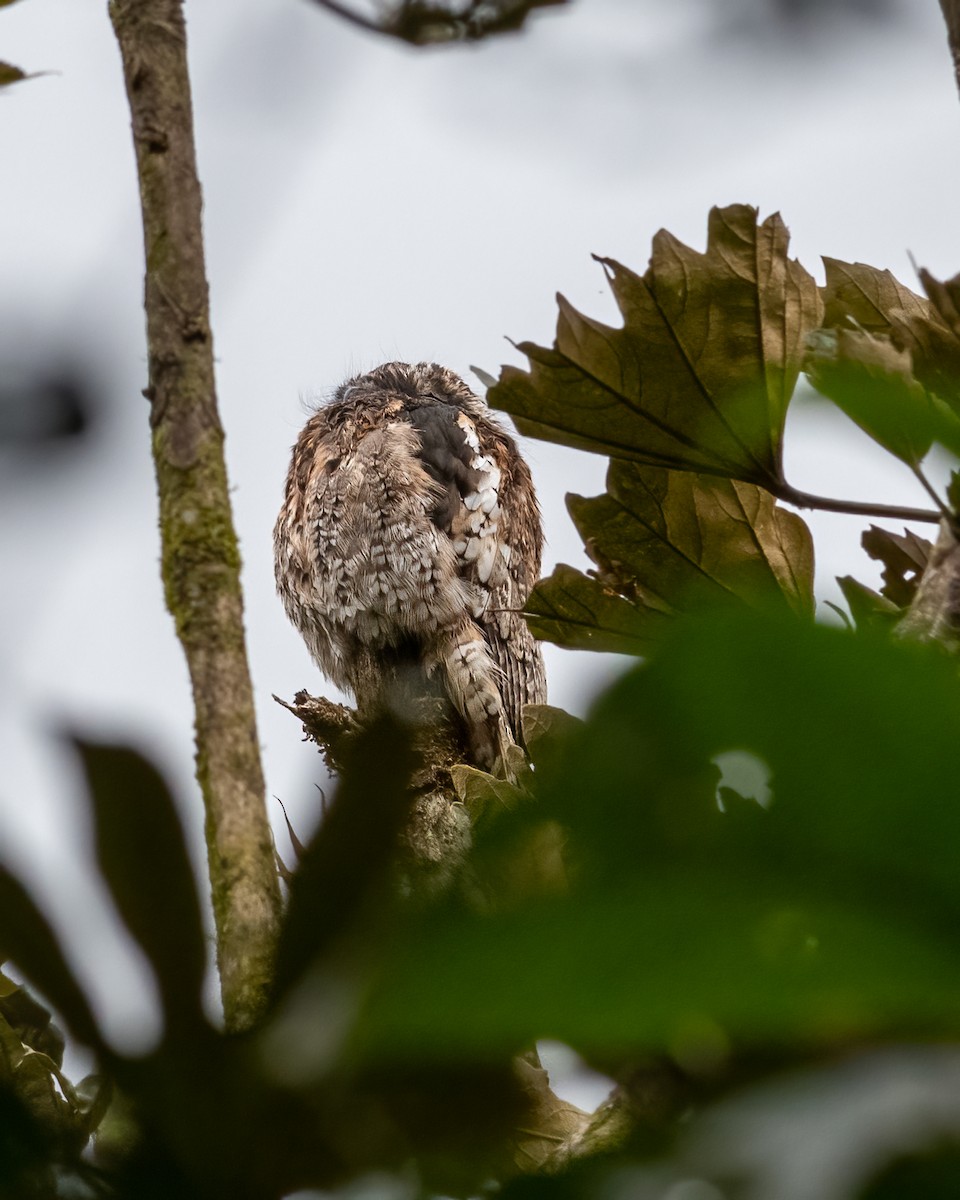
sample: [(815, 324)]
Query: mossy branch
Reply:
[(200, 558), (934, 612)]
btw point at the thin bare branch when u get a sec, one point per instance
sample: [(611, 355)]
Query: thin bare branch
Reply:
[(351, 16), (863, 508), (951, 14)]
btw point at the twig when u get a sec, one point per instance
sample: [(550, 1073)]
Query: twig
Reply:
[(200, 559), (331, 726), (931, 491), (351, 16), (792, 495), (951, 14)]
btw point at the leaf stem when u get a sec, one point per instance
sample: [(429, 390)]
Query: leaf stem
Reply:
[(792, 495), (931, 491), (351, 16)]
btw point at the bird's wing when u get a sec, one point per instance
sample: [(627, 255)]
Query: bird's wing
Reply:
[(487, 507)]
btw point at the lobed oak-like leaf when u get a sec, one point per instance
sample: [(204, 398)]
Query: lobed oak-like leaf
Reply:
[(937, 357), (871, 380), (888, 358), (875, 300), (582, 613), (664, 542), (681, 536), (700, 374), (904, 557), (860, 296)]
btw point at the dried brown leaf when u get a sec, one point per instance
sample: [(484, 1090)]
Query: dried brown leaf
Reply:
[(875, 300), (904, 556), (682, 536), (860, 295), (573, 610), (10, 74)]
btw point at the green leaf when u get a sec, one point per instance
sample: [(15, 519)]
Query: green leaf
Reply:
[(678, 538), (143, 857), (479, 791), (931, 1172), (581, 613), (831, 915), (700, 375), (871, 380), (857, 295), (868, 608), (545, 728)]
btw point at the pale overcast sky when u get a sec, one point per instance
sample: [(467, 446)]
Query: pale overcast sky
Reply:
[(366, 202)]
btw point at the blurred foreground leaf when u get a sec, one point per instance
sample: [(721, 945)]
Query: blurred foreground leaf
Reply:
[(143, 857), (10, 74), (869, 609), (830, 916), (27, 939)]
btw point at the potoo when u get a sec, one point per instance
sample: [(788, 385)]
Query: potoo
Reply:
[(410, 538)]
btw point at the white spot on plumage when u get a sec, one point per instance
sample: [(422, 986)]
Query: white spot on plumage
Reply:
[(486, 559)]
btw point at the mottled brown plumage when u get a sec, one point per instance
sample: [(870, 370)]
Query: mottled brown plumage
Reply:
[(410, 534)]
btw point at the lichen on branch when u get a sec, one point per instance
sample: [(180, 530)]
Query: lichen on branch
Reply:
[(200, 556)]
